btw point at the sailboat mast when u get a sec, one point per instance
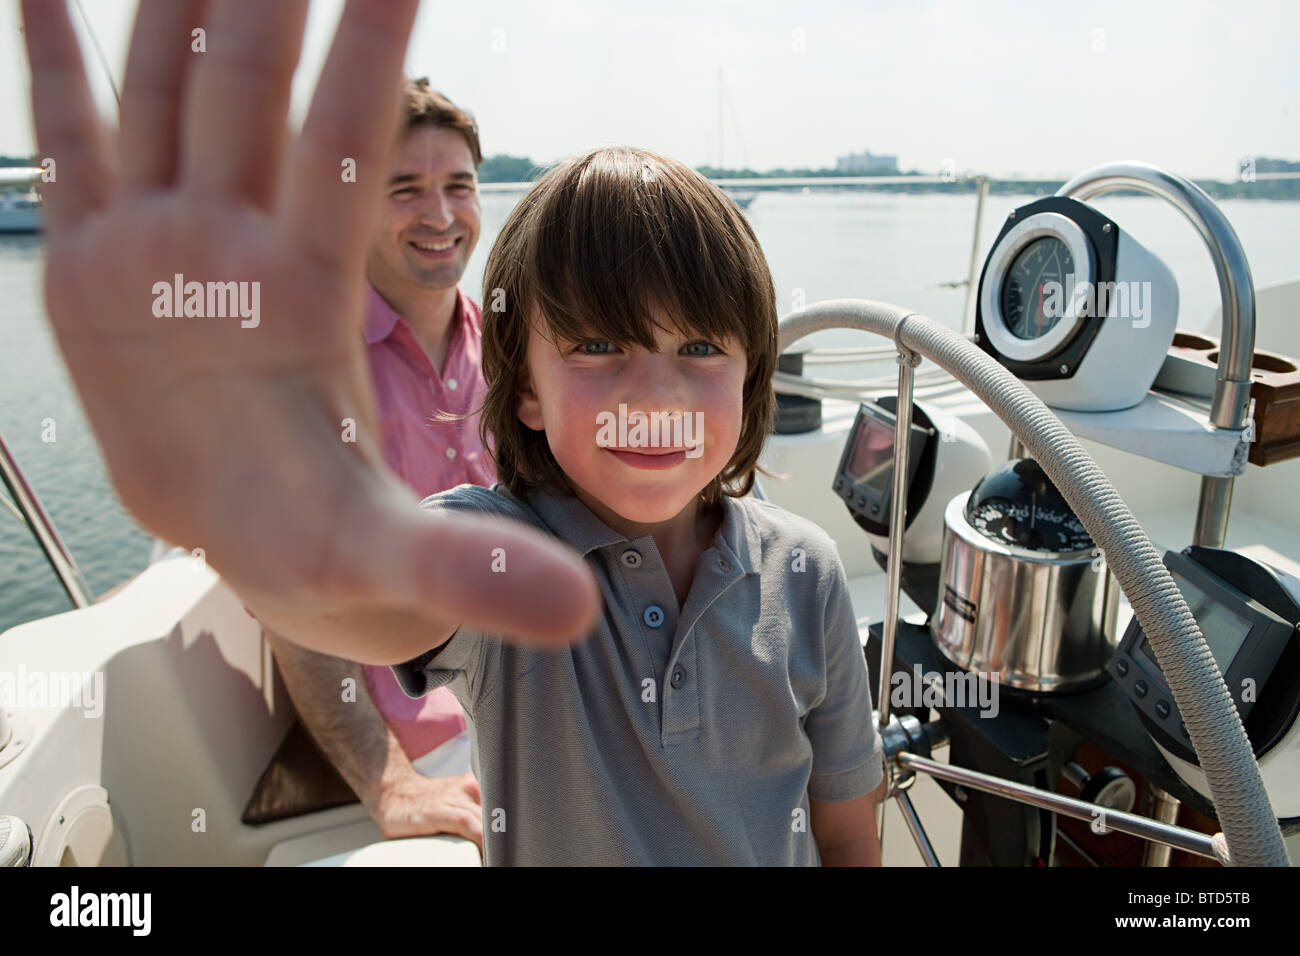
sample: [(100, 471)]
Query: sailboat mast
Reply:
[(721, 129)]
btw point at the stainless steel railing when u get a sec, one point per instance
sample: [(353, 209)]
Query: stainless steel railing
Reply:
[(33, 514)]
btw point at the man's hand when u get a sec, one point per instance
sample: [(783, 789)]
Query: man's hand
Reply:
[(419, 806), (235, 439)]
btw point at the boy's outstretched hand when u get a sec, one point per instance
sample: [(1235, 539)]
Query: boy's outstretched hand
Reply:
[(230, 434)]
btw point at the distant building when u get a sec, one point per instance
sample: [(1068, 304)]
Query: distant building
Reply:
[(867, 162), (1276, 166)]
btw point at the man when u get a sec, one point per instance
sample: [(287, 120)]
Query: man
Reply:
[(408, 760)]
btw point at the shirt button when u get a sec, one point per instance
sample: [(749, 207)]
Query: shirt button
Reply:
[(451, 453), (451, 384), (654, 615), (679, 676), (631, 558)]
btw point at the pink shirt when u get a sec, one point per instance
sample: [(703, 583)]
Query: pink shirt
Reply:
[(430, 456)]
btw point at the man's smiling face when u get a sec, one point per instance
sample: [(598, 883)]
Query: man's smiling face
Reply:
[(431, 213)]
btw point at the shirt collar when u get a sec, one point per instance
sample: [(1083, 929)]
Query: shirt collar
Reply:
[(573, 523), (381, 318)]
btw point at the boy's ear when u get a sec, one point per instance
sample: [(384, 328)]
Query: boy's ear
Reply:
[(528, 404)]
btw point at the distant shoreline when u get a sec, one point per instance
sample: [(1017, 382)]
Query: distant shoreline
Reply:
[(1263, 189), (507, 173), (504, 172)]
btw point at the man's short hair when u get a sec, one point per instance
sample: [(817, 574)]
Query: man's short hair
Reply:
[(424, 106)]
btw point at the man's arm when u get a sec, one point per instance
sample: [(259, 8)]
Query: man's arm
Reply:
[(254, 437), (846, 831), (358, 741)]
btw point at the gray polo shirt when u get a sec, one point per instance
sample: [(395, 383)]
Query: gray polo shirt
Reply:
[(670, 736)]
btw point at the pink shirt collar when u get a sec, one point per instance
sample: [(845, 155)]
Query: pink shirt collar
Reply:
[(381, 318)]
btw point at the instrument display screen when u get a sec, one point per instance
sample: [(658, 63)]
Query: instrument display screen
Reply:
[(1225, 631), (865, 476), (872, 460), (1248, 614)]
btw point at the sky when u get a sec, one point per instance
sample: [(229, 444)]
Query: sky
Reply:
[(1003, 87)]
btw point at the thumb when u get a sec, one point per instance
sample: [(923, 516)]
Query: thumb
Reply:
[(492, 573)]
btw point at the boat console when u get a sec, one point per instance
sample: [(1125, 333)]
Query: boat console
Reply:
[(1080, 320)]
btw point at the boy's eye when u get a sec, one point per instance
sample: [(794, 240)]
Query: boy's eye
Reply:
[(701, 349), (410, 190), (595, 348)]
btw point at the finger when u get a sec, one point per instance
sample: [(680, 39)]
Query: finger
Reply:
[(157, 70), (63, 111), (452, 816), (353, 117), (471, 827), (472, 788), (235, 115), (493, 574)]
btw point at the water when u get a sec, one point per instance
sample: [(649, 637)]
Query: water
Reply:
[(892, 247)]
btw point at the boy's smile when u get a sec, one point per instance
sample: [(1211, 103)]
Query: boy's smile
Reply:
[(643, 477), (647, 458)]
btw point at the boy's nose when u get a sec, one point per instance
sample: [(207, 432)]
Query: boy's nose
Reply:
[(651, 382)]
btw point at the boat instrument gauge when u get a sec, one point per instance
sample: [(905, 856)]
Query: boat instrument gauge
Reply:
[(1249, 613), (1035, 524), (1022, 594), (946, 454), (1075, 307), (865, 476), (1028, 311)]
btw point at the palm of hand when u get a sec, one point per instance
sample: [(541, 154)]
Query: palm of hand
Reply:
[(236, 439)]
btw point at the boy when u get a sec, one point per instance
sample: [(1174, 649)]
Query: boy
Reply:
[(719, 713)]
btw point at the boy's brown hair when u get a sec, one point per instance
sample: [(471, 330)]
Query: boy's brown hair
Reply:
[(424, 106), (596, 244)]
